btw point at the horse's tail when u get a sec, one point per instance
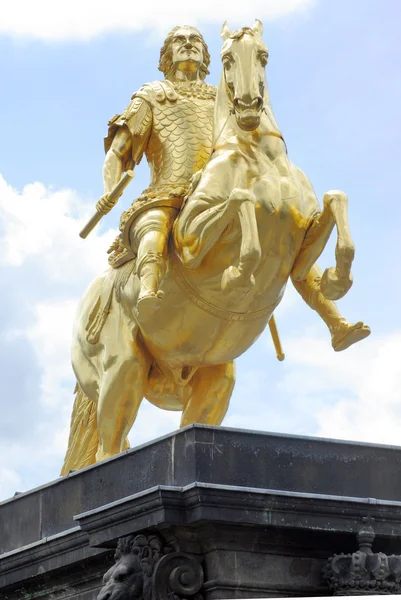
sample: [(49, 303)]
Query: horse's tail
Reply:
[(83, 439)]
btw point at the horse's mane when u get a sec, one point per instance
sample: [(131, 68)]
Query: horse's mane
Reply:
[(222, 110), (238, 33)]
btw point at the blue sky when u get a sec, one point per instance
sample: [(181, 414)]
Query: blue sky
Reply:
[(334, 79)]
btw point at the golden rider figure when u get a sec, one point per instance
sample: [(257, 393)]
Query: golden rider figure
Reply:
[(171, 122)]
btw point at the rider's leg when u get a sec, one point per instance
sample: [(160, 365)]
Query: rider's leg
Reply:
[(211, 392), (126, 369), (343, 334), (149, 237)]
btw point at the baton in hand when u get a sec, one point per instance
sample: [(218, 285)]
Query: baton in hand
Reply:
[(113, 197)]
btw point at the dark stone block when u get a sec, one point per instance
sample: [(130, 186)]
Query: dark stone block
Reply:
[(81, 579), (20, 521), (261, 512), (49, 510), (209, 455), (282, 462)]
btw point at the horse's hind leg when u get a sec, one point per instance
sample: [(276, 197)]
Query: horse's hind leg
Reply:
[(211, 392), (337, 280), (121, 391)]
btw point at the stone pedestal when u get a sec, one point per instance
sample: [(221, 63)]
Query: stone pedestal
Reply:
[(220, 513)]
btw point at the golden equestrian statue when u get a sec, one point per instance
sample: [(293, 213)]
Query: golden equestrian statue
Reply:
[(205, 253)]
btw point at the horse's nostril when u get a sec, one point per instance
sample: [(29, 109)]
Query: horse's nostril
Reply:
[(255, 104)]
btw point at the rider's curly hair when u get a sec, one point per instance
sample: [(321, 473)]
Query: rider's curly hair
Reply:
[(166, 64)]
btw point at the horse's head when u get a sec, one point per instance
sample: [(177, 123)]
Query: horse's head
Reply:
[(244, 56)]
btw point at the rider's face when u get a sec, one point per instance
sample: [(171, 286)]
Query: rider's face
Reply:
[(187, 51)]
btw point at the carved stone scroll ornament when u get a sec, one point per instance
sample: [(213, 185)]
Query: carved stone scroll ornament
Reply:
[(146, 569), (363, 572)]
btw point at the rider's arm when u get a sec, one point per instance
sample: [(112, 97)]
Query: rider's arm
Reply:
[(115, 160), (128, 135)]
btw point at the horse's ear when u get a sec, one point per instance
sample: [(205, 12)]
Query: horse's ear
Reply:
[(225, 31), (258, 27)]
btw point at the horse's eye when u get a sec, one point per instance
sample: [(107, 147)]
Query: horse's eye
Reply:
[(121, 576), (227, 62), (263, 56)]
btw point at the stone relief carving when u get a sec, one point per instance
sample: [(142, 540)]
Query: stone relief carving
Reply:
[(363, 572), (147, 569)]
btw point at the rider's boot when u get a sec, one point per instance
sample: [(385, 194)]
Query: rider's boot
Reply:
[(149, 237), (343, 333), (150, 270)]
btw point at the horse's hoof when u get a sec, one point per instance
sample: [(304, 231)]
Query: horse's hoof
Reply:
[(233, 280), (347, 334), (334, 287), (148, 304)]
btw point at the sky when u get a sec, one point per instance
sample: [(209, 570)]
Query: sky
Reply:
[(335, 82)]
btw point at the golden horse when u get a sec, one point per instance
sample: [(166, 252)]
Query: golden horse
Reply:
[(250, 221)]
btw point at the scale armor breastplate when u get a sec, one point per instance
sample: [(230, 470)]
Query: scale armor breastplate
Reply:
[(180, 142)]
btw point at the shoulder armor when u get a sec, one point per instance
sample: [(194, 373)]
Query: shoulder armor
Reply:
[(138, 126), (157, 91), (132, 108)]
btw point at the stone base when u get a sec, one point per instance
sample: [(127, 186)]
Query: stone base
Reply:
[(260, 513)]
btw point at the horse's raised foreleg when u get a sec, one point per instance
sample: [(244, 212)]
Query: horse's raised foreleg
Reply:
[(336, 281), (200, 226), (242, 277), (121, 391), (211, 392), (198, 229)]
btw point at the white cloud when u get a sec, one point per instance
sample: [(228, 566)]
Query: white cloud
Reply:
[(356, 394), (43, 224), (39, 242), (85, 19), (50, 336)]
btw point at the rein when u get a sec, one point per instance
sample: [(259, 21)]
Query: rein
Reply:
[(221, 130)]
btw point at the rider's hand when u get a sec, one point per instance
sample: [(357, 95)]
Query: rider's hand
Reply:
[(104, 205)]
